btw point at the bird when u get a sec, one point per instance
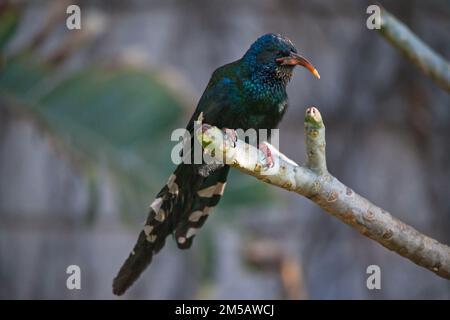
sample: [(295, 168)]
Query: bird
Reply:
[(249, 93)]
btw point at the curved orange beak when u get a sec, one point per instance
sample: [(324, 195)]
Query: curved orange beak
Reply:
[(296, 59)]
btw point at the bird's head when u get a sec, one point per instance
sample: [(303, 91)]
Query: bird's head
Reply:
[(275, 54)]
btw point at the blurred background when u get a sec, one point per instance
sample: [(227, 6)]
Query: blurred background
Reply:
[(85, 123)]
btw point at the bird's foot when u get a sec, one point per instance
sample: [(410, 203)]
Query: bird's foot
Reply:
[(268, 158), (231, 134)]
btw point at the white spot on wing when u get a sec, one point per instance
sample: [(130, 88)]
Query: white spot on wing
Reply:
[(173, 189), (172, 185), (191, 232), (151, 238), (196, 215), (207, 192), (207, 210), (210, 191), (220, 187), (181, 240)]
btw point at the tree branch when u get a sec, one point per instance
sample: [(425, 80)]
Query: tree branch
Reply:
[(401, 37), (313, 181)]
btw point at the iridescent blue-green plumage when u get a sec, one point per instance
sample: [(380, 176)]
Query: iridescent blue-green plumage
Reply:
[(247, 93)]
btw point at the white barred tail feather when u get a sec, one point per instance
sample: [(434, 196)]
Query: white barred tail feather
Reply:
[(180, 208)]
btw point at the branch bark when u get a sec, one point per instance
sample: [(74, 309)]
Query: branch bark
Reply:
[(313, 181), (420, 54)]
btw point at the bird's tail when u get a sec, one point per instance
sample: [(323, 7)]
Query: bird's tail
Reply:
[(180, 208)]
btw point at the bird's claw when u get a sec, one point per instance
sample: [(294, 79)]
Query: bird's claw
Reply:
[(231, 134), (268, 158)]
